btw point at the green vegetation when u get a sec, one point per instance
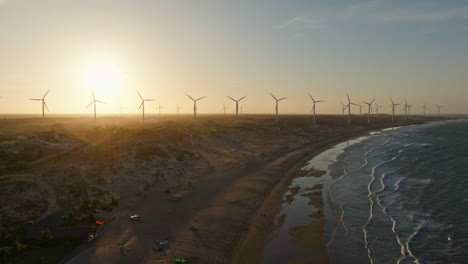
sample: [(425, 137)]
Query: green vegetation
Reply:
[(11, 239)]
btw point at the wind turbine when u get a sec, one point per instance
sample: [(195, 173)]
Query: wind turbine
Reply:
[(377, 108), (178, 108), (224, 109), (406, 110), (94, 101), (393, 109), (349, 108), (142, 105), (313, 107), (424, 109), (360, 108), (159, 109), (438, 110), (237, 104), (277, 100), (369, 108), (195, 106), (43, 103), (343, 108)]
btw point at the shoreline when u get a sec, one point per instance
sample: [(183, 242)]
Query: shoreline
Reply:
[(229, 185), (251, 246)]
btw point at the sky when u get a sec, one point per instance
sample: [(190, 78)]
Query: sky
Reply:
[(379, 48)]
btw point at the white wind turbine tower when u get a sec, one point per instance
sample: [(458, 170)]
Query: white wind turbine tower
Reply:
[(369, 108), (406, 109), (424, 107), (438, 110), (276, 108), (195, 106), (159, 109), (142, 105), (237, 104), (313, 107), (343, 108), (377, 108), (349, 108), (178, 108), (94, 101), (393, 109), (360, 108), (43, 103)]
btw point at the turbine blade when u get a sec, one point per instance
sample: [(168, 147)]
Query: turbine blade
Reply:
[(349, 100), (190, 97), (320, 101), (92, 93), (273, 96), (142, 102), (311, 97), (282, 98), (372, 100), (241, 98), (46, 94), (89, 104), (101, 102), (231, 98), (149, 100), (200, 98), (46, 106), (140, 95), (36, 99)]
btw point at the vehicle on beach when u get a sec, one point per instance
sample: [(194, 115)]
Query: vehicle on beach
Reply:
[(136, 218)]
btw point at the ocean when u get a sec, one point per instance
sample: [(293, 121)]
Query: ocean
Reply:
[(399, 195)]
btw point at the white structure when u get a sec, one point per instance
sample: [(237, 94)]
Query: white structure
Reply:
[(438, 110), (343, 108), (276, 108), (44, 105), (377, 108), (360, 108), (94, 101), (178, 108), (393, 109), (424, 108), (369, 109), (142, 105), (195, 106), (406, 107), (349, 108), (237, 104), (313, 107)]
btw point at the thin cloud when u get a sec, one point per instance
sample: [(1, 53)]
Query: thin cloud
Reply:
[(425, 16), (303, 22), (375, 11)]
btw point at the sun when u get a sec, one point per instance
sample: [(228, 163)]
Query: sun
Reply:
[(102, 77)]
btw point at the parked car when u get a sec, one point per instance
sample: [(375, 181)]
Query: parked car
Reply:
[(136, 218)]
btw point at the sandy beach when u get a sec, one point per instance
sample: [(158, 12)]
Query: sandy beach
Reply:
[(215, 203)]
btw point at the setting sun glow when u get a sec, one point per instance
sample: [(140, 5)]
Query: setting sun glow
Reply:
[(102, 77)]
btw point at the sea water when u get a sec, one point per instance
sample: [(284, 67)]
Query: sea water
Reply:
[(397, 196)]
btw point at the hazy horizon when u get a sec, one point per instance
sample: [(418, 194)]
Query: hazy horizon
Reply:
[(165, 49)]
